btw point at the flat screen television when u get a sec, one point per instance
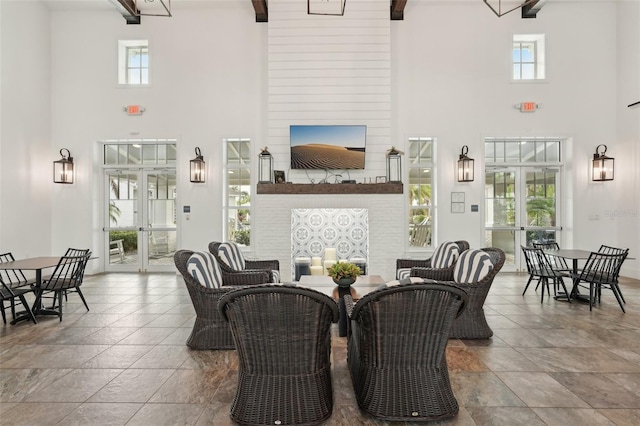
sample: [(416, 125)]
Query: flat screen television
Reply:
[(331, 147)]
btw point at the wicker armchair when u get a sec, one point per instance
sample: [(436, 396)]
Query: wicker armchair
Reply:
[(211, 331), (283, 338), (472, 324), (396, 351), (272, 267), (403, 264)]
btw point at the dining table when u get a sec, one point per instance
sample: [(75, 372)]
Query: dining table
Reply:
[(37, 264), (574, 255)]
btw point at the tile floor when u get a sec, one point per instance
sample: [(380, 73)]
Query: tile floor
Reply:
[(125, 362)]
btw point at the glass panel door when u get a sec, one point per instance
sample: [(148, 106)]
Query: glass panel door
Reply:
[(141, 227), (520, 209), (160, 225)]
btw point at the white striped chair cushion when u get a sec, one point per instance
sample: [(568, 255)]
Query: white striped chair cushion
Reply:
[(445, 255), (231, 255), (472, 267), (204, 267), (403, 273), (276, 275)]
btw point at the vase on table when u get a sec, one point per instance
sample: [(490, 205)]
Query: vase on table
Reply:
[(344, 282)]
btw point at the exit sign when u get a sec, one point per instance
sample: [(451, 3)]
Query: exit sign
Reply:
[(528, 107), (133, 109)]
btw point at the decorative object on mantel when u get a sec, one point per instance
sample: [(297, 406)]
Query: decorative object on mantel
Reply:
[(265, 166), (279, 177), (394, 165), (196, 167), (326, 7), (344, 273), (465, 166), (63, 168), (602, 165)]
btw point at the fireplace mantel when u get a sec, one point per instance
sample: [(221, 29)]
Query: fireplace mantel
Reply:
[(329, 188)]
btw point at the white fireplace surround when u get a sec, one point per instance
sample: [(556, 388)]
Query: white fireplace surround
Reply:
[(273, 220), (314, 230)]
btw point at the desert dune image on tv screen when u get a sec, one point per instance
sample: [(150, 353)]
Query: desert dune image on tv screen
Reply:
[(327, 147)]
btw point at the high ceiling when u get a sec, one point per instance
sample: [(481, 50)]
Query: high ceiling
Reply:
[(127, 8)]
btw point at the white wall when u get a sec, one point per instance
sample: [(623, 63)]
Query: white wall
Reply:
[(206, 84), (449, 79), (26, 152)]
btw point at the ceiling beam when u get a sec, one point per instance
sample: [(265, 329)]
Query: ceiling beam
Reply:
[(397, 9), (531, 10), (260, 6), (128, 11)]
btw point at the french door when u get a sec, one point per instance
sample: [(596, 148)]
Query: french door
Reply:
[(140, 229), (521, 207)]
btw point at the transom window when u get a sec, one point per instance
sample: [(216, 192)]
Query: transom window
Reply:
[(420, 167), (528, 57), (133, 62), (140, 152)]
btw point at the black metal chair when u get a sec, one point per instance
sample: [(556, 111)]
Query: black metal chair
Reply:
[(614, 250), (232, 260), (559, 264), (10, 294), (13, 278), (601, 271), (210, 330), (396, 350), (404, 266), (67, 276), (282, 334), (539, 266)]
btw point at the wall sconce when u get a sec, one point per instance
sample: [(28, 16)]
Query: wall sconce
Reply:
[(63, 168), (394, 165), (326, 7), (196, 167), (602, 165), (265, 166), (465, 166)]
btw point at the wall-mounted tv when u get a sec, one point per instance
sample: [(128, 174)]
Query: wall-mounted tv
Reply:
[(327, 146)]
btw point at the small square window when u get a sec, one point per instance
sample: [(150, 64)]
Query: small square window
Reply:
[(133, 62), (528, 57)]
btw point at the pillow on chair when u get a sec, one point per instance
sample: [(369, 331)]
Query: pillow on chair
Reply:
[(445, 255), (472, 267), (230, 254), (203, 266)]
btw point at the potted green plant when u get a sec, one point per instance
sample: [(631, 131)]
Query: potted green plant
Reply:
[(344, 273)]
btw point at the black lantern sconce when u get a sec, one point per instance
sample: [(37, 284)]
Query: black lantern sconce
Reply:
[(602, 165), (63, 168), (465, 166), (265, 166), (394, 165), (196, 167)]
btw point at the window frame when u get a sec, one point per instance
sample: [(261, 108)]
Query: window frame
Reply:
[(124, 46), (539, 59), (231, 212), (426, 165)]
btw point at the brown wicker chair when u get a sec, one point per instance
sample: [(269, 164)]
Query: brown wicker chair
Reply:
[(283, 337), (272, 267), (396, 351), (211, 331), (413, 263), (472, 324)]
